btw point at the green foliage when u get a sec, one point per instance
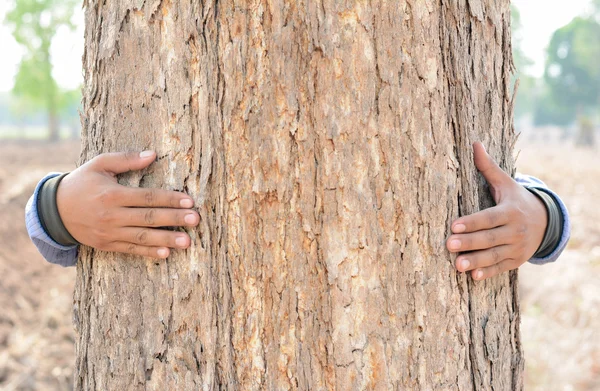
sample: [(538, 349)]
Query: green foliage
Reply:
[(596, 9), (527, 84), (572, 73), (519, 57), (526, 95), (571, 84), (34, 82), (34, 24), (547, 111)]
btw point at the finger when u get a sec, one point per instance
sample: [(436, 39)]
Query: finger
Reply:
[(485, 219), (155, 237), (154, 198), (494, 270), (136, 249), (120, 162), (159, 217), (493, 174), (480, 240), (482, 258)]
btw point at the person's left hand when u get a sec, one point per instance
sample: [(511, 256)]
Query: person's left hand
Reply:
[(503, 237)]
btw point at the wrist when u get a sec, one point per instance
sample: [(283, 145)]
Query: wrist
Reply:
[(554, 226), (48, 212)]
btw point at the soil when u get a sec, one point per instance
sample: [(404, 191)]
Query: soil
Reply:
[(36, 333)]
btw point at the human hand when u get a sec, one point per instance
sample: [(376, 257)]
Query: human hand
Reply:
[(99, 212), (503, 237)]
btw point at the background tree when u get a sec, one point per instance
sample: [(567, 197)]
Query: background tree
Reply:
[(572, 76), (596, 9), (328, 148), (527, 89), (34, 24)]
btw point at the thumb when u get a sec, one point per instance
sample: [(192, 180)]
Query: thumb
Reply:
[(492, 173), (120, 162)]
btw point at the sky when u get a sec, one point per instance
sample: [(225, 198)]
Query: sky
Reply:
[(540, 18), (66, 52)]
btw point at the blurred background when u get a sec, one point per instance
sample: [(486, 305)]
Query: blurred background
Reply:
[(557, 55)]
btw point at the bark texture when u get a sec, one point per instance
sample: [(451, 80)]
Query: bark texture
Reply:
[(328, 147)]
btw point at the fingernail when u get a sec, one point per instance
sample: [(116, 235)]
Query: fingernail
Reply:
[(181, 241), (163, 252), (478, 275), (146, 154), (464, 264), (190, 218), (455, 244), (186, 203), (459, 228)]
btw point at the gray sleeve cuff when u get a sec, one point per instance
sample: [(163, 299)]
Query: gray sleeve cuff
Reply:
[(48, 213), (554, 229)]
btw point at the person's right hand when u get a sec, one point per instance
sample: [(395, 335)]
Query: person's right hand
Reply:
[(99, 212)]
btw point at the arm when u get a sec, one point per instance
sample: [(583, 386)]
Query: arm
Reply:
[(88, 206), (52, 251), (505, 236), (533, 182)]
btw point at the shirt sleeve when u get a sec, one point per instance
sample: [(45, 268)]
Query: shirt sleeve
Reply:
[(530, 181), (52, 251)]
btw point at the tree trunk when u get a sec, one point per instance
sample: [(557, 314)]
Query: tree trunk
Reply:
[(328, 147)]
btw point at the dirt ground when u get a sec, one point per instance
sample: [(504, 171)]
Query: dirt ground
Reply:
[(36, 334), (560, 302)]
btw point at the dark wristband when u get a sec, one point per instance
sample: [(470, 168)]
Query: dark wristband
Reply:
[(48, 213), (554, 228)]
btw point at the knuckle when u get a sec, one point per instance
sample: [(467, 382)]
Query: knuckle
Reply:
[(470, 224), (500, 268), (150, 197), (131, 247), (174, 201), (150, 252), (142, 236), (490, 236), (149, 216), (104, 217), (107, 195), (506, 266), (180, 218), (103, 196), (467, 242), (130, 159), (490, 272), (495, 255), (129, 156), (492, 218)]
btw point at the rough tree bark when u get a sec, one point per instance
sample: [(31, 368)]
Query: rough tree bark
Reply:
[(328, 147)]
